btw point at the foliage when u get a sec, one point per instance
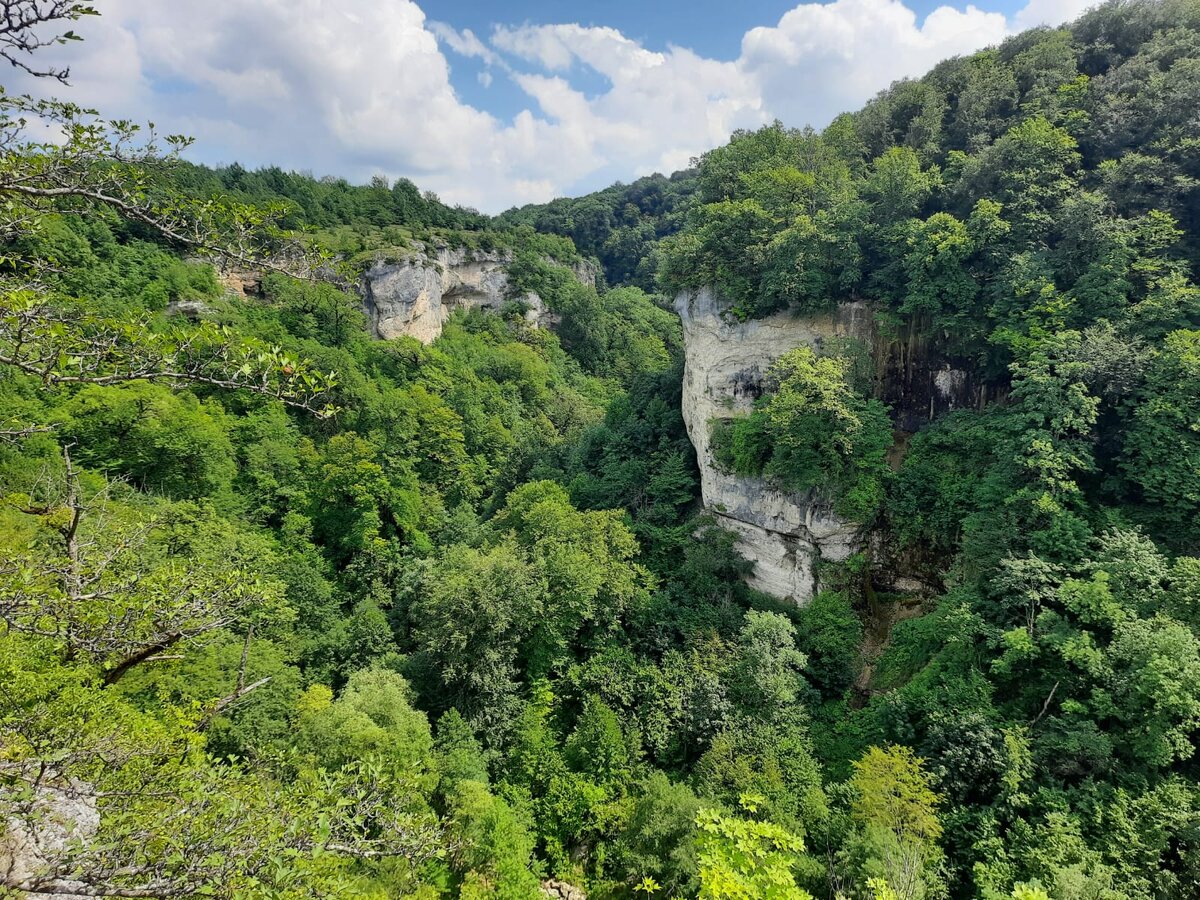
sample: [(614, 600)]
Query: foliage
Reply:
[(813, 431), (620, 226), (741, 859), (894, 803), (289, 611)]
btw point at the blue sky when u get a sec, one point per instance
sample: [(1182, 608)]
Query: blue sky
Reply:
[(712, 28), (493, 104)]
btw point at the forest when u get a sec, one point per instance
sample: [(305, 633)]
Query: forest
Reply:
[(290, 611)]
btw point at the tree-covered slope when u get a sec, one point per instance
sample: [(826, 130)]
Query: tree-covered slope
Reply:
[(620, 226), (1025, 217), (1063, 157)]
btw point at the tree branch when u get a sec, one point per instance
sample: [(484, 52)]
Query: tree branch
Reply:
[(113, 675), (19, 20), (1045, 706), (225, 702)]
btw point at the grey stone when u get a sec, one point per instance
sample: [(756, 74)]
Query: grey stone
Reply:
[(561, 890), (416, 295), (33, 844)]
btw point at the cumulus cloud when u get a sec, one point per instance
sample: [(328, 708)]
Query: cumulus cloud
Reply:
[(1050, 12), (823, 59), (556, 47), (359, 87), (655, 101), (350, 87)]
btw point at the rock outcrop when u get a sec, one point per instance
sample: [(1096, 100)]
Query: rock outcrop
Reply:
[(34, 845), (785, 535), (561, 890), (416, 294), (240, 282)]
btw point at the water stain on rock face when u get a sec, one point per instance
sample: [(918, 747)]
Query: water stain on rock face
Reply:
[(748, 385), (727, 364)]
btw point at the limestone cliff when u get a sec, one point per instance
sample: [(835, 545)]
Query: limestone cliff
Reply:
[(35, 843), (416, 294), (783, 534)]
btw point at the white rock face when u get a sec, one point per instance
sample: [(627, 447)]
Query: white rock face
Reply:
[(415, 296), (34, 847), (783, 534)]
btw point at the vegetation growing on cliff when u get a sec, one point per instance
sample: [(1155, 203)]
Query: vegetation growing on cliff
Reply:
[(813, 430), (288, 611)]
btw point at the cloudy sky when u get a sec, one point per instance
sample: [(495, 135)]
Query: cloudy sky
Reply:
[(491, 104)]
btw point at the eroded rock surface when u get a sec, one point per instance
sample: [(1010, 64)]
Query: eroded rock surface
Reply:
[(561, 890), (416, 294), (784, 534), (34, 844)]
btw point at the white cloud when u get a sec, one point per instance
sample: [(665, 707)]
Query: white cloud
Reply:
[(823, 59), (352, 87), (1050, 12), (464, 42), (358, 87), (556, 47), (655, 102)]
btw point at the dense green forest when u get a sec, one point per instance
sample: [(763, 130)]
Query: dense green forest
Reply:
[(290, 611), (620, 226)]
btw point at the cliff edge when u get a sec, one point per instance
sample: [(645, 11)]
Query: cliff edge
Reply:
[(416, 294)]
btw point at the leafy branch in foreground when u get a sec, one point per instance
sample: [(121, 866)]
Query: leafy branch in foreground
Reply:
[(99, 165), (20, 18), (94, 587), (131, 808), (91, 165), (98, 798), (95, 163), (60, 347)]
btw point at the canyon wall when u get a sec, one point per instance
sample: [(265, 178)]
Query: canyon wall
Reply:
[(785, 535), (416, 294)]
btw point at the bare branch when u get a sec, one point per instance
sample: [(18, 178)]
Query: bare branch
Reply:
[(20, 23), (113, 675), (13, 435), (225, 702), (1046, 705)]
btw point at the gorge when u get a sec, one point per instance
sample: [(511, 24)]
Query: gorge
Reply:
[(819, 522)]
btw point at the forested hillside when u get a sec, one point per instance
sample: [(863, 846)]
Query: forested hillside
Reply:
[(291, 611), (1024, 219), (620, 226)]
